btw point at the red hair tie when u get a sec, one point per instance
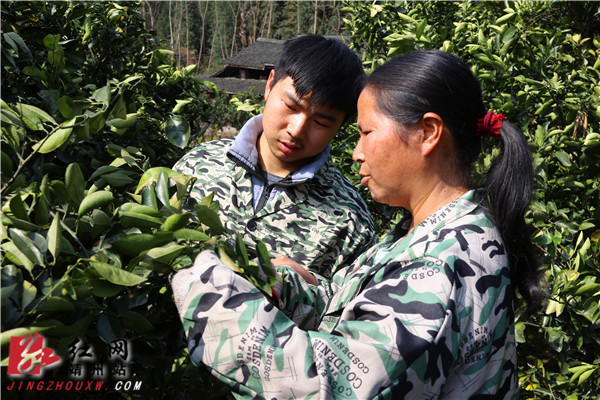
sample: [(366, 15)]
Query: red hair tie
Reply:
[(489, 125)]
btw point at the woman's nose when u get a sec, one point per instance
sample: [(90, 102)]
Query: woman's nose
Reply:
[(357, 154)]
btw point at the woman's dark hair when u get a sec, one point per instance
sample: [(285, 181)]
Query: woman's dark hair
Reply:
[(323, 67), (435, 81)]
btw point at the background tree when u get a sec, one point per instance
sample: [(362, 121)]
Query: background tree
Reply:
[(215, 30)]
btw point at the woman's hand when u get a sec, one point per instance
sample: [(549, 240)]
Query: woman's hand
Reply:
[(307, 276)]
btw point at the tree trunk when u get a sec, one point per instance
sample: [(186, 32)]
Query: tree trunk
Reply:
[(171, 24), (215, 32), (187, 35), (179, 16), (270, 16), (203, 31), (235, 25), (315, 18), (153, 8)]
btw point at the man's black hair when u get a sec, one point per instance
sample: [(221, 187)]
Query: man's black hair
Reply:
[(324, 68)]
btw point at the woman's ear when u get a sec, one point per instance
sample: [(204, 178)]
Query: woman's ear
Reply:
[(432, 126)]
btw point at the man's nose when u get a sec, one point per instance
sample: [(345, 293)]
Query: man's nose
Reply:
[(297, 125)]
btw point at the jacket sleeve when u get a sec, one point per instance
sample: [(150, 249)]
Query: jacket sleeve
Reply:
[(382, 341)]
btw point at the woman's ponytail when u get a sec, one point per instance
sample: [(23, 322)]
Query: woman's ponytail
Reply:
[(508, 190)]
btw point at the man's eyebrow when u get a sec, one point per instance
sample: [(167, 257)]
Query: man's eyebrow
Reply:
[(293, 97)]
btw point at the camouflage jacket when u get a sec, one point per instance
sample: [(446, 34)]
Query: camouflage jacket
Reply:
[(321, 222), (423, 315)]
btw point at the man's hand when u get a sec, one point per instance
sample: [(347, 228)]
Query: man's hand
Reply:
[(307, 276)]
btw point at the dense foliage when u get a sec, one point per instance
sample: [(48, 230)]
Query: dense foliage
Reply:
[(94, 112), (539, 64)]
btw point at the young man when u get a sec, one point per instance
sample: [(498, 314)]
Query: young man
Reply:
[(275, 181)]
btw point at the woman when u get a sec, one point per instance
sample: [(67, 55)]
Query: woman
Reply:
[(425, 314)]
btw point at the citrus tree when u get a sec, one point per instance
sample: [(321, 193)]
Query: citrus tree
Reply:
[(539, 64), (94, 113)]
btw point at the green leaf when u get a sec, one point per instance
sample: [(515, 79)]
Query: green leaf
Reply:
[(60, 190), (164, 254), (26, 246), (34, 117), (116, 275), (191, 234), (240, 249), (421, 28), (102, 95), (16, 256), (36, 73), (152, 175), (264, 259), (227, 260), (56, 304), (140, 209), (65, 106), (564, 159), (209, 202), (139, 220), (51, 41), (100, 222), (589, 289), (96, 122), (406, 18), (120, 109), (95, 200), (520, 332), (162, 189), (178, 131), (582, 372), (54, 237), (123, 123), (133, 245), (118, 179), (41, 215), (149, 196), (586, 225), (17, 207), (102, 288), (210, 218), (176, 221), (136, 322), (180, 104), (505, 18), (6, 167), (22, 331), (75, 182), (19, 223), (108, 327), (16, 41), (56, 139), (29, 294), (105, 169)]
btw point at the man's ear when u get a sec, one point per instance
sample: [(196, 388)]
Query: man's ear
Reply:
[(269, 83), (433, 129)]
